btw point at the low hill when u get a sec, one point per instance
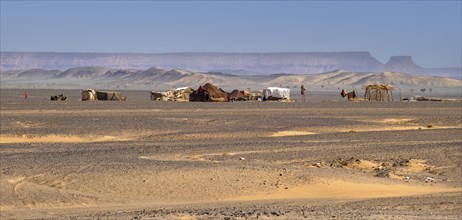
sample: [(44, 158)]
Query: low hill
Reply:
[(156, 78)]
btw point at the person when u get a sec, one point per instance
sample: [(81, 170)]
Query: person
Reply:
[(343, 93), (302, 90), (26, 95)]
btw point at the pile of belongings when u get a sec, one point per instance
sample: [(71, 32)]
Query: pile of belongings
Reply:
[(209, 93), (421, 98), (58, 98), (237, 95), (256, 96), (243, 95), (180, 94), (276, 93)]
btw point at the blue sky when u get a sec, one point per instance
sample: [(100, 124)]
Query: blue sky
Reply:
[(430, 31)]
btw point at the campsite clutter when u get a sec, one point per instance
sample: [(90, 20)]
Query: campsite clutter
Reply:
[(374, 92), (211, 93), (179, 95), (421, 99)]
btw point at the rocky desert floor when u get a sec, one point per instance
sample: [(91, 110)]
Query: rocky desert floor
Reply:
[(138, 159)]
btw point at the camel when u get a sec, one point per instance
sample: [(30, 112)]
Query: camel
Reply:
[(349, 95)]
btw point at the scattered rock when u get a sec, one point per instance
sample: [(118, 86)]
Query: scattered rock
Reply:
[(429, 179)]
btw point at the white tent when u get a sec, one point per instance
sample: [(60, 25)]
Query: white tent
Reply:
[(276, 92)]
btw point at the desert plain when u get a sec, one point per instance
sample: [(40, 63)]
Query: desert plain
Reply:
[(325, 158)]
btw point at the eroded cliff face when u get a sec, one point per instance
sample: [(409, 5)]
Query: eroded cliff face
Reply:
[(264, 63)]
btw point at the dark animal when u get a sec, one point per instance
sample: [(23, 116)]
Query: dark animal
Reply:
[(350, 95)]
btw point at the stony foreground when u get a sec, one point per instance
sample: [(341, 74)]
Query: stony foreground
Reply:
[(322, 159)]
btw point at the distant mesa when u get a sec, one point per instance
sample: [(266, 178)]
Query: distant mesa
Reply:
[(403, 64), (241, 63)]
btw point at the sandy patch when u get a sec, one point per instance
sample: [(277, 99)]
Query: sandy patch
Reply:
[(291, 133), (363, 164), (26, 124), (195, 157), (396, 128), (345, 190), (53, 138), (16, 180), (397, 120), (417, 166)]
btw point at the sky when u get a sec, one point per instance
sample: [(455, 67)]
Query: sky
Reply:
[(429, 31)]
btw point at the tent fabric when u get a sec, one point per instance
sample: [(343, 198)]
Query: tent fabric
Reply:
[(276, 93), (109, 95)]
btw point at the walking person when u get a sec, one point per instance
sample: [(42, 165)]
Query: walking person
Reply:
[(26, 94), (302, 91)]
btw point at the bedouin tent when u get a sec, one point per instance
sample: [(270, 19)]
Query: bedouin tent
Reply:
[(209, 93)]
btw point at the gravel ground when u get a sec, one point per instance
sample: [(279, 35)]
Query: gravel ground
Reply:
[(140, 159)]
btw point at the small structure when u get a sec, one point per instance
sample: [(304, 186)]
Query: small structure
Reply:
[(276, 93), (378, 92), (209, 93), (58, 98), (180, 95), (89, 95)]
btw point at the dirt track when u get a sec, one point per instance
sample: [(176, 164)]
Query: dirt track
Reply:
[(319, 159)]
